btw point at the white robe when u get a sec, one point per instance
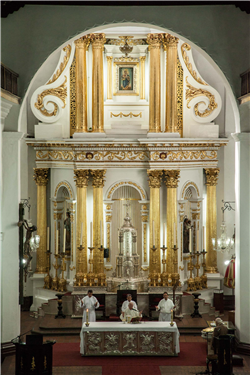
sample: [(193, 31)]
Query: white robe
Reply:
[(125, 305), (132, 313), (165, 307), (89, 303)]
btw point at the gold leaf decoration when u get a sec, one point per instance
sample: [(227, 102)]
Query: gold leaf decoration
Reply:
[(186, 46), (60, 92), (63, 64), (126, 115), (192, 93)]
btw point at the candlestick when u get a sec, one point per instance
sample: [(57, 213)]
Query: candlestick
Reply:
[(172, 318), (197, 240), (153, 232), (47, 238), (87, 318), (57, 241), (203, 237), (81, 234), (164, 234), (91, 236)]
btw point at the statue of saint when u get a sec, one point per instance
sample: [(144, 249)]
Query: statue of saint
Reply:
[(67, 225), (186, 239)]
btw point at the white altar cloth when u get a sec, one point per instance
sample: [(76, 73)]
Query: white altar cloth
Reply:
[(129, 327)]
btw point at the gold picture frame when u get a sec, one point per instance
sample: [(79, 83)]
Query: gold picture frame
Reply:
[(126, 76)]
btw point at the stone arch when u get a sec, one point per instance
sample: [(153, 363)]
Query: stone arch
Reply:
[(193, 188), (133, 184), (67, 186)]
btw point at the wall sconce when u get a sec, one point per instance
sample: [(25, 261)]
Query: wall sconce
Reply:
[(224, 243)]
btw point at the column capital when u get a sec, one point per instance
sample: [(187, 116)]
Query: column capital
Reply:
[(81, 177), (172, 178), (41, 176), (143, 58), (155, 40), (154, 178), (98, 177), (97, 40), (109, 58), (212, 175), (83, 42), (170, 41)]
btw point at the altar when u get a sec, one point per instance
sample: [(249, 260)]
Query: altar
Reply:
[(119, 339)]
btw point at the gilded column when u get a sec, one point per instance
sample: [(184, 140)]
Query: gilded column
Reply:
[(170, 46), (97, 41), (41, 178), (171, 181), (154, 41), (154, 216), (81, 180), (212, 175), (109, 77), (98, 184), (82, 45), (142, 78)]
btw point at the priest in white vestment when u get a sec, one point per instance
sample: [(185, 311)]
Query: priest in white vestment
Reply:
[(89, 302), (130, 311), (125, 303), (165, 306)]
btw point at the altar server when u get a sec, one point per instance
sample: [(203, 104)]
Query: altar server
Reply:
[(125, 303), (130, 311), (89, 302), (165, 306)]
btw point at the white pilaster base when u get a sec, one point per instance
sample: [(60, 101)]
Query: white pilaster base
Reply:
[(48, 131), (163, 135), (89, 135), (38, 282), (214, 280)]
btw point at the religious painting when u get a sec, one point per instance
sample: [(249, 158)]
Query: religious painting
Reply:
[(126, 75)]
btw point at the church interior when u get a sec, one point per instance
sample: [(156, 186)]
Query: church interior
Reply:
[(125, 170)]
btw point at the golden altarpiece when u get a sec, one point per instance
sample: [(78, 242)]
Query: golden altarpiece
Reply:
[(126, 120)]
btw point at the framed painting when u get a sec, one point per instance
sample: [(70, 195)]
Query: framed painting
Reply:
[(126, 75)]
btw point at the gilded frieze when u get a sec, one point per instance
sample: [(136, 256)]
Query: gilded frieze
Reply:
[(179, 98), (73, 97), (121, 114)]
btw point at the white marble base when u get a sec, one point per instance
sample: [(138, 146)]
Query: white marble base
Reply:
[(40, 295), (48, 131), (214, 280), (90, 135), (163, 135), (203, 131)]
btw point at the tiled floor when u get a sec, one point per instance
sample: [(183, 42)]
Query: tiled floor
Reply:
[(27, 323)]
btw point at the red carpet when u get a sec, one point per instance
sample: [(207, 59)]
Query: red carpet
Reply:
[(191, 354)]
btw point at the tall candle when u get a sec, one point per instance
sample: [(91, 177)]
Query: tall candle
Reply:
[(190, 234), (64, 239), (203, 237), (87, 316), (81, 234), (91, 239), (172, 317), (153, 232), (197, 240), (164, 234), (47, 238), (174, 236), (57, 241), (101, 233)]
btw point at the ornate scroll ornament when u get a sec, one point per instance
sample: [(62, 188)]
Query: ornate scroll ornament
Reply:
[(145, 243), (184, 47), (97, 40), (81, 177), (126, 114), (179, 98), (146, 342), (154, 178), (193, 92), (41, 176), (73, 97), (108, 218), (154, 40), (98, 177), (125, 59), (83, 42), (170, 41), (111, 343), (172, 178), (63, 64), (165, 342), (59, 92), (130, 340), (212, 175)]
